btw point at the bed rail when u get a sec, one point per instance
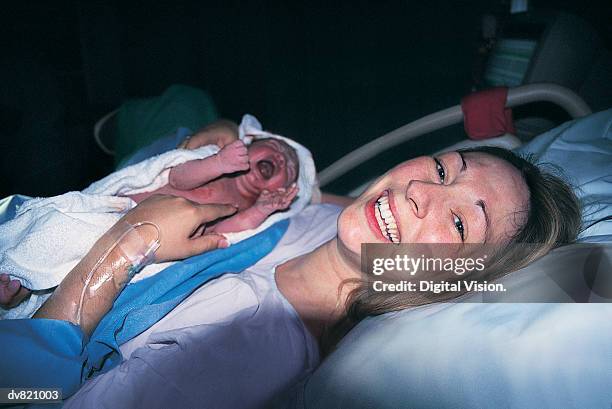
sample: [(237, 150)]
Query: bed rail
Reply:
[(524, 94)]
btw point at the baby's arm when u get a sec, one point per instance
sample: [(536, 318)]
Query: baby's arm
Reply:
[(190, 175), (266, 204)]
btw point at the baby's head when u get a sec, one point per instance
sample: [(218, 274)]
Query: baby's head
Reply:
[(274, 164)]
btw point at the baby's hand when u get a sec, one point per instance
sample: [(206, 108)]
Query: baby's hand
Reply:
[(269, 202), (233, 157), (11, 292)]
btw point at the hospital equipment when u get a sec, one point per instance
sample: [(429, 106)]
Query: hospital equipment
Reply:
[(524, 94), (133, 252), (83, 300)]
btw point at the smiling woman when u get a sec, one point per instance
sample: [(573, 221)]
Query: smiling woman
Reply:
[(481, 195), (456, 197)]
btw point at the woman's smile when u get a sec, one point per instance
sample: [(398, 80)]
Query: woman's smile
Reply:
[(381, 216), (438, 200)]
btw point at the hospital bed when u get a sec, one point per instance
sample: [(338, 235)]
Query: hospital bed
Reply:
[(474, 354), (507, 352), (521, 95), (548, 347)]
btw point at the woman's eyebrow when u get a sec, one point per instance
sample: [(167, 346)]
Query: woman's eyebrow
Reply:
[(480, 203), (463, 163), (483, 206)]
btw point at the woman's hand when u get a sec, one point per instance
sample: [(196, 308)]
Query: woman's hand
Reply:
[(87, 293), (181, 223), (11, 292), (220, 133)]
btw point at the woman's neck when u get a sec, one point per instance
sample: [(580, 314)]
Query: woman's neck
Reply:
[(312, 284)]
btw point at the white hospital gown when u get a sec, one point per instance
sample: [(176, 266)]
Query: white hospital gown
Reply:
[(235, 343)]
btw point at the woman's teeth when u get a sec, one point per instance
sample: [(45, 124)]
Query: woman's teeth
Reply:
[(385, 219)]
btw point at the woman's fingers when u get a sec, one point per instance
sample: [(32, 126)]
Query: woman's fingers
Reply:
[(208, 242), (11, 291), (211, 212), (7, 292), (199, 231), (200, 243), (180, 223), (8, 288), (13, 286)]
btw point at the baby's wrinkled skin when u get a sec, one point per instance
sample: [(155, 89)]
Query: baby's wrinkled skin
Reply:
[(259, 180)]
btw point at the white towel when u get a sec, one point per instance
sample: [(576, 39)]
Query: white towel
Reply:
[(49, 236)]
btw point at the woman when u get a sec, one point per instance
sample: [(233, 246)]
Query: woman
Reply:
[(310, 289)]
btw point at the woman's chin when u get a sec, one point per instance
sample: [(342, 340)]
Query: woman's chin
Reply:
[(351, 230)]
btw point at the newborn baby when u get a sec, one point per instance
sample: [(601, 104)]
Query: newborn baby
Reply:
[(258, 180)]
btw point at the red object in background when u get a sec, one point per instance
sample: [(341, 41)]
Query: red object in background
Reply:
[(485, 114)]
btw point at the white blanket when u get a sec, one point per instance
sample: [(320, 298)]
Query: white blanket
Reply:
[(48, 236)]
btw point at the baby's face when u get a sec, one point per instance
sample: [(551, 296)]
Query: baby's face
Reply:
[(274, 165)]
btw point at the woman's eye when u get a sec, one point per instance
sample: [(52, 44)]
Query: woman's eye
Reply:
[(440, 170), (459, 226)]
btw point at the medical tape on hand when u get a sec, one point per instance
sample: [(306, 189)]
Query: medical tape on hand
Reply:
[(134, 253)]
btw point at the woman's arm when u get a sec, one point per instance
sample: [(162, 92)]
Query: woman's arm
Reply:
[(87, 293), (221, 133), (89, 290)]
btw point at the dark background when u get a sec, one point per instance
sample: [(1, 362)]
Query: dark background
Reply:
[(331, 75)]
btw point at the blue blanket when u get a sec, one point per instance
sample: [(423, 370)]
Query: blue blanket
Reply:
[(52, 353)]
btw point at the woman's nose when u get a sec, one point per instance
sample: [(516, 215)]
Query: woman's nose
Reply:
[(421, 196)]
